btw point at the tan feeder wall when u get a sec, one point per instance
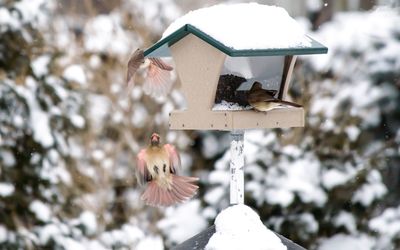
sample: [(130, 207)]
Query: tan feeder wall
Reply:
[(199, 66)]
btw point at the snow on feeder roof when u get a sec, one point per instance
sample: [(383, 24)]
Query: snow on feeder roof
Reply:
[(221, 52), (246, 29)]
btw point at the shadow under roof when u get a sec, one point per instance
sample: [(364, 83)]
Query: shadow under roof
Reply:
[(161, 48)]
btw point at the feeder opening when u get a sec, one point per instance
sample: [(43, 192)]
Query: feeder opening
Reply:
[(238, 75)]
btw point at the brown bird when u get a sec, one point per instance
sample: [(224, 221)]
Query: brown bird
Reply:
[(158, 76), (264, 100), (157, 165)]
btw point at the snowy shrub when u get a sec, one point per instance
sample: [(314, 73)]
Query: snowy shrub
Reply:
[(69, 134)]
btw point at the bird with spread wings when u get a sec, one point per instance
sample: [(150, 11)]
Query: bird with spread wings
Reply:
[(158, 80), (157, 166)]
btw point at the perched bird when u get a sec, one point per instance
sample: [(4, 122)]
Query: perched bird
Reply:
[(157, 79), (264, 100), (157, 165)]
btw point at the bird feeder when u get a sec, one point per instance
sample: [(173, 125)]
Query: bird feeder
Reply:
[(204, 64), (214, 71)]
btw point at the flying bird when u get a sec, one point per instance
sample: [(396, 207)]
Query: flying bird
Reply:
[(265, 100), (157, 165), (158, 74)]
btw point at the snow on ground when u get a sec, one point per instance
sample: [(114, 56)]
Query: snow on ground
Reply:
[(245, 26), (239, 227)]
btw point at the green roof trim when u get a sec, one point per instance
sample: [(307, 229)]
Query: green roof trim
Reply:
[(161, 48)]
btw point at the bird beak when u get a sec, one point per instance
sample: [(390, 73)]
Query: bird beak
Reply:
[(155, 138)]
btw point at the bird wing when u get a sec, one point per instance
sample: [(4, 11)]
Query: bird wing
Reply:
[(265, 106), (158, 81), (142, 174), (136, 59), (161, 64), (259, 96), (174, 159)]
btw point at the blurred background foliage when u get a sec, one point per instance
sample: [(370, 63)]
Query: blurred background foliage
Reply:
[(69, 133)]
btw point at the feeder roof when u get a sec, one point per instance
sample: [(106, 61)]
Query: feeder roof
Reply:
[(246, 29)]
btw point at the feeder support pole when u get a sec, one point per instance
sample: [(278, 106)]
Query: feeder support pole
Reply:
[(237, 168)]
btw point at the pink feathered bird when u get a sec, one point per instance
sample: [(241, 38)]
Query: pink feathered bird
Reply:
[(158, 166)]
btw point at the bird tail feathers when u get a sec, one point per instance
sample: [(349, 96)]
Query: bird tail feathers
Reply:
[(182, 188)]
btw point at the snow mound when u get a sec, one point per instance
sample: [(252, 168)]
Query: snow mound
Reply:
[(245, 26), (239, 227)]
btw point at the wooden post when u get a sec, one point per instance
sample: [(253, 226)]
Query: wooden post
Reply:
[(287, 75), (237, 168)]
